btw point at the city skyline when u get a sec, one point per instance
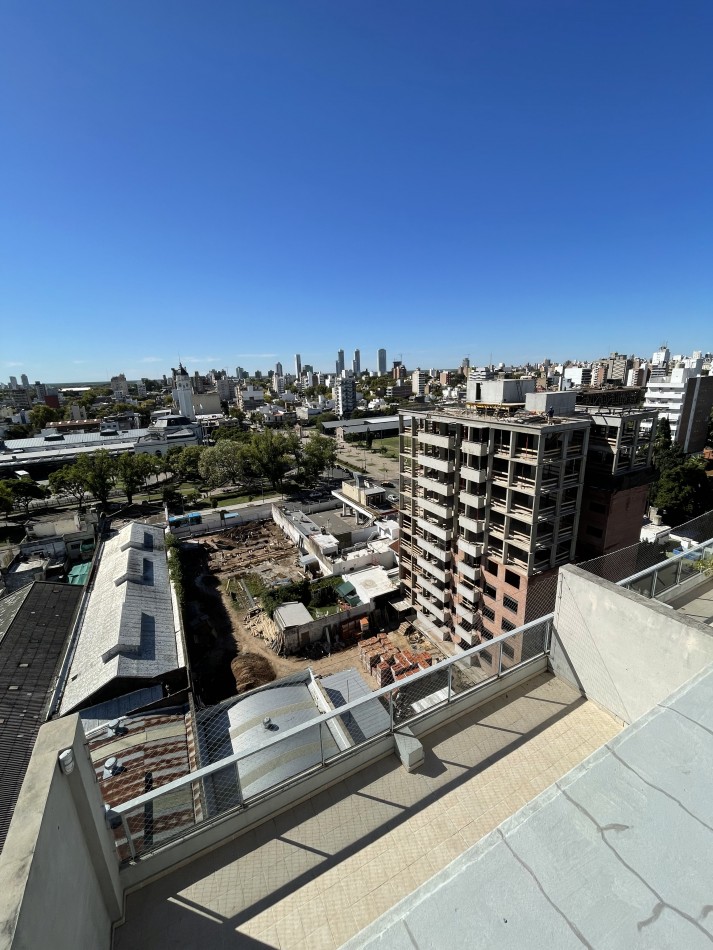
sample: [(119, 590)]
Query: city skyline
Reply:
[(526, 181)]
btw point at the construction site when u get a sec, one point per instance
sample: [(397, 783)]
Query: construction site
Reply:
[(233, 642)]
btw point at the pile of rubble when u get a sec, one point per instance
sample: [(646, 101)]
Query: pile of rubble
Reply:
[(389, 664)]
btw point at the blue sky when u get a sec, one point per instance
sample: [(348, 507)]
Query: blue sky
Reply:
[(239, 180)]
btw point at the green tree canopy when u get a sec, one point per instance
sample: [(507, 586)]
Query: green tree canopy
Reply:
[(99, 473), (41, 414), (69, 482)]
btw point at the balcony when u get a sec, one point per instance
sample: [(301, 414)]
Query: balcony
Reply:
[(442, 488), (468, 571), (440, 441), (471, 594), (445, 534), (473, 501), (470, 524), (522, 512), (467, 613), (430, 607), (477, 475), (434, 569), (479, 449), (441, 595), (469, 547), (436, 507), (439, 465), (443, 555), (467, 633)]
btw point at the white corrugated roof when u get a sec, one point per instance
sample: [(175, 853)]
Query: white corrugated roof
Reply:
[(128, 627)]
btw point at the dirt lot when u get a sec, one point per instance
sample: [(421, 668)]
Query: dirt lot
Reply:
[(224, 630)]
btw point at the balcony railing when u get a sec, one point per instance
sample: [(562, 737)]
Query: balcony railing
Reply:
[(437, 464), (442, 488), (676, 575), (414, 699), (441, 441), (479, 449)]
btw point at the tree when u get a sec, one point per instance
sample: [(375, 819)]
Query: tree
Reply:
[(319, 453), (271, 452), (24, 491), (683, 490), (6, 499), (226, 463), (69, 482), (188, 462), (99, 472), (129, 470), (41, 414)]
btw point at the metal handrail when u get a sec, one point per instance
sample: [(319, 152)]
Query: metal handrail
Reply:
[(385, 691), (670, 560)]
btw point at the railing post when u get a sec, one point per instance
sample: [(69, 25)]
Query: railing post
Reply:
[(679, 571), (391, 710), (129, 840), (500, 660), (652, 588), (321, 744), (450, 681)]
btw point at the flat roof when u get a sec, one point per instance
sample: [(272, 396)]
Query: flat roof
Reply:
[(371, 582), (35, 624), (614, 854)]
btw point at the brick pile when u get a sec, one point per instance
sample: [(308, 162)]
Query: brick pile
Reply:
[(387, 663)]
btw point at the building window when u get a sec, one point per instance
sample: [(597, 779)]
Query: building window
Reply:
[(506, 626), (492, 567), (512, 578), (594, 532), (488, 613), (508, 651), (486, 655), (489, 591), (510, 604)]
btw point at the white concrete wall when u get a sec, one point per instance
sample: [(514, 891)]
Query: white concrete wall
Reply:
[(623, 651), (59, 876)]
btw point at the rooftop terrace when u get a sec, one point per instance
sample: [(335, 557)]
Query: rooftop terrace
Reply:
[(316, 859), (317, 874)]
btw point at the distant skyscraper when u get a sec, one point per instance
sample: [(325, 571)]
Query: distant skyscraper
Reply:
[(356, 363), (278, 369), (298, 365), (13, 382), (340, 361), (381, 362), (25, 381)]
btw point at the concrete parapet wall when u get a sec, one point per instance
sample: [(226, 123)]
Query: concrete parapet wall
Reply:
[(59, 876), (623, 651)]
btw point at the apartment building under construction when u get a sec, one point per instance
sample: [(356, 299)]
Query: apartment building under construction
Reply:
[(493, 496)]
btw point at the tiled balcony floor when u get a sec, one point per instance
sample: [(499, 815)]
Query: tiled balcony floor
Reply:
[(318, 874)]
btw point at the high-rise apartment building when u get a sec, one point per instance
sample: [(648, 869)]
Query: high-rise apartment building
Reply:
[(418, 382), (685, 398), (13, 382), (381, 362), (25, 381), (344, 395), (340, 361), (356, 363), (298, 365), (278, 369), (491, 507)]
